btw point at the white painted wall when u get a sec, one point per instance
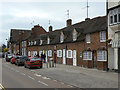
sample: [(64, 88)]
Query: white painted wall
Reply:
[(111, 58), (115, 58)]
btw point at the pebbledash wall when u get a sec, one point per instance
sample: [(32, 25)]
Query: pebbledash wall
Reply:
[(82, 44)]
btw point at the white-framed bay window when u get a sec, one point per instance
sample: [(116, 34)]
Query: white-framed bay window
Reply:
[(87, 55), (59, 53), (69, 54), (35, 42), (50, 53), (101, 55), (88, 38), (102, 36)]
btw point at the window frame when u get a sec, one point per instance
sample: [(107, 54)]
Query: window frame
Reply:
[(88, 40), (59, 53), (50, 53), (48, 40), (102, 54), (69, 55), (74, 36), (87, 55), (102, 36)]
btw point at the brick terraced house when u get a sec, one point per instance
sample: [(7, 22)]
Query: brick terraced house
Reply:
[(81, 44)]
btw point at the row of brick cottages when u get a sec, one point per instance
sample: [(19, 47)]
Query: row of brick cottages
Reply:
[(81, 44)]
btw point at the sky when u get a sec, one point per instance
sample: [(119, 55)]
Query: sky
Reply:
[(24, 14)]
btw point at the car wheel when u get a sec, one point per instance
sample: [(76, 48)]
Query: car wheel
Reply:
[(40, 66)]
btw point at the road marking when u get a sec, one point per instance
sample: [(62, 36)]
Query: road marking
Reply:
[(43, 83), (22, 74), (31, 77), (45, 78), (1, 87), (37, 75), (32, 70)]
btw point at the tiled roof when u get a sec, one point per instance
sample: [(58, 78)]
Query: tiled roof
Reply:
[(89, 26)]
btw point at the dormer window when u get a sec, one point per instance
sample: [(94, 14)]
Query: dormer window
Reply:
[(35, 42), (74, 35), (62, 37), (31, 43), (41, 41), (48, 41), (88, 38)]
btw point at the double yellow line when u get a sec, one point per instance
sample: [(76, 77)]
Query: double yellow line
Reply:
[(1, 87)]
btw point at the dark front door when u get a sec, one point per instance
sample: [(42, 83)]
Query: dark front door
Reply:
[(94, 59)]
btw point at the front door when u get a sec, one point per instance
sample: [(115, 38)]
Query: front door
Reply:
[(64, 58), (74, 58), (94, 59)]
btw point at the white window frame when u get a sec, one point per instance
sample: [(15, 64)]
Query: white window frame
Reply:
[(88, 38), (87, 55), (41, 41), (61, 38), (25, 43), (59, 53), (69, 54), (48, 40), (74, 36), (35, 42), (50, 53), (31, 43), (113, 13), (103, 36), (101, 55)]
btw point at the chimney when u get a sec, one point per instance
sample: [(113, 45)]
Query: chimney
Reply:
[(69, 22), (86, 19), (50, 28)]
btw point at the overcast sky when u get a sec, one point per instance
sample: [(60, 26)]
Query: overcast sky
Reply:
[(20, 15)]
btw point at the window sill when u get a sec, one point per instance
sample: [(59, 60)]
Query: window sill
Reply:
[(103, 41), (88, 42), (102, 60), (87, 59)]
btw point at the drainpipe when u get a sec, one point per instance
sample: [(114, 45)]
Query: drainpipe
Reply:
[(107, 33)]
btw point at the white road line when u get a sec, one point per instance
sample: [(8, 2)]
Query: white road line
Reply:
[(32, 70), (37, 75), (45, 78), (43, 83), (22, 74), (31, 77)]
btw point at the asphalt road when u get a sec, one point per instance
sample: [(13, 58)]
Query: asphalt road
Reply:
[(19, 77)]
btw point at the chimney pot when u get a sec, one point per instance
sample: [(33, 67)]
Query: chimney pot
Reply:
[(50, 28), (69, 22), (86, 19)]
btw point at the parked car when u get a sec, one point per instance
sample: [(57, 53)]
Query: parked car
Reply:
[(8, 57), (20, 60), (33, 62), (13, 58)]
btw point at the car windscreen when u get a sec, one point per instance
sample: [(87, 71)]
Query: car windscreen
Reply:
[(23, 58), (35, 59)]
